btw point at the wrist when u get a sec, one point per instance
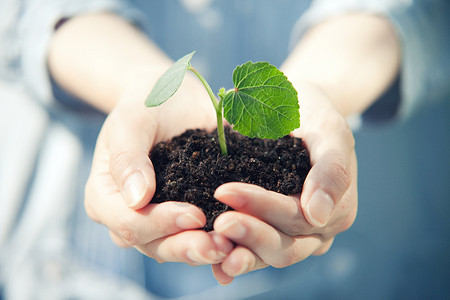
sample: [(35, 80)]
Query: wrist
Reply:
[(318, 114), (99, 57), (312, 97)]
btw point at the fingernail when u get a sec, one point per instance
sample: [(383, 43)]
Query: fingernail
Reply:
[(223, 245), (134, 188), (195, 256), (319, 208), (232, 230), (223, 191), (242, 269), (230, 197), (188, 221)]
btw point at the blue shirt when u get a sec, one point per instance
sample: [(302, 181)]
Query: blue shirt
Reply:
[(49, 248)]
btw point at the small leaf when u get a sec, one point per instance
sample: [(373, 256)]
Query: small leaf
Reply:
[(263, 104), (169, 82)]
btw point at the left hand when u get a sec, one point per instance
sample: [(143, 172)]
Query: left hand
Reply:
[(122, 181), (277, 230)]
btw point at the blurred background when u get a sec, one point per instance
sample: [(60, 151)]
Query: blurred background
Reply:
[(399, 245)]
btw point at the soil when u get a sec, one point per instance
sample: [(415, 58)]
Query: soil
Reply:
[(190, 167)]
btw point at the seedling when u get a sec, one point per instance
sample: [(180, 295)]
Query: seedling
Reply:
[(262, 104)]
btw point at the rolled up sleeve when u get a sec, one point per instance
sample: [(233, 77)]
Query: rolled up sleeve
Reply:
[(27, 34), (422, 27)]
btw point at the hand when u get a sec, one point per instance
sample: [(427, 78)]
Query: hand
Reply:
[(122, 180), (278, 230)]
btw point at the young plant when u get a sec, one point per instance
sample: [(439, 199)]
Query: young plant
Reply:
[(262, 104)]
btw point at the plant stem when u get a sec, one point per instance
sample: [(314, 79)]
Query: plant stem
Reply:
[(218, 106), (220, 130)]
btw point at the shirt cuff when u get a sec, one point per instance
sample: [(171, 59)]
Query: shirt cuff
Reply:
[(35, 30), (420, 26)]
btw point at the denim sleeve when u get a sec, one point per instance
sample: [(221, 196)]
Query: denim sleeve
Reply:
[(422, 27), (26, 27)]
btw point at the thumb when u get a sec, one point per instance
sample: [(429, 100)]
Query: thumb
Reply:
[(129, 163), (134, 175), (325, 185)]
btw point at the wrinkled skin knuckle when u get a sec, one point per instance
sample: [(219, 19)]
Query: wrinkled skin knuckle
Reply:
[(126, 233), (340, 174), (119, 163)]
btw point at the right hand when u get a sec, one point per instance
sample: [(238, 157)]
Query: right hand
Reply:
[(122, 181), (278, 230)]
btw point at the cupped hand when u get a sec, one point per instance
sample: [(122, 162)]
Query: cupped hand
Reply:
[(122, 180), (271, 229)]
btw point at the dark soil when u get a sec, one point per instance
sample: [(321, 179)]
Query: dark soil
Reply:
[(190, 167)]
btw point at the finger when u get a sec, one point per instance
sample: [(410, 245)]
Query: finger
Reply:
[(221, 277), (241, 261), (223, 245), (129, 143), (324, 187), (330, 143), (194, 247), (138, 226), (280, 211), (272, 246), (155, 221)]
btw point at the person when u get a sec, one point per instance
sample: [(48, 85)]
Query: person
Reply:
[(341, 66)]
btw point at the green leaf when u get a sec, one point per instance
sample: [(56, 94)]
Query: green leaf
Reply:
[(263, 104), (169, 82)]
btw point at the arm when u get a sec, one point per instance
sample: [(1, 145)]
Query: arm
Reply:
[(105, 56), (108, 63), (352, 58), (339, 68)]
